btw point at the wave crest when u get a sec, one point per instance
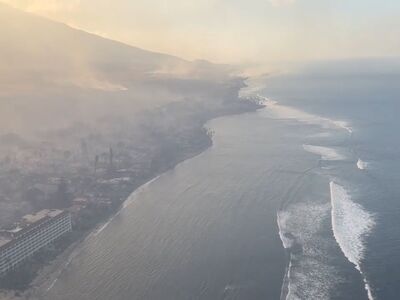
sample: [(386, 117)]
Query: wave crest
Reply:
[(362, 165), (324, 152), (302, 116), (351, 223), (307, 275)]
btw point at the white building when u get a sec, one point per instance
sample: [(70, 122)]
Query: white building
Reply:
[(32, 234)]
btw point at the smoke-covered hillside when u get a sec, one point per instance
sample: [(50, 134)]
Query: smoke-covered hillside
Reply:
[(52, 75)]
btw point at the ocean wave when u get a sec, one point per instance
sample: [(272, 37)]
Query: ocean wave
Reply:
[(351, 223), (284, 111), (362, 165), (282, 219), (325, 153), (138, 191), (307, 275), (103, 226), (52, 284), (62, 269), (344, 125)]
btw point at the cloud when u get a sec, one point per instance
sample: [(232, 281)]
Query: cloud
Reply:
[(281, 2)]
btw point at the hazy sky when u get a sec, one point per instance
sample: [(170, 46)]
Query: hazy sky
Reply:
[(238, 31)]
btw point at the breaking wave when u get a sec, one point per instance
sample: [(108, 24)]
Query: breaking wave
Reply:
[(344, 125), (302, 116), (126, 203), (307, 275), (103, 226), (282, 219), (351, 223), (362, 165), (324, 152)]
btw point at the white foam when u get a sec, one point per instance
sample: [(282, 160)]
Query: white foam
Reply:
[(325, 153), (321, 135), (344, 125), (126, 203), (69, 261), (139, 190), (351, 223), (52, 284), (61, 270), (285, 291), (282, 219), (362, 165), (266, 101), (307, 275), (284, 111), (104, 226), (230, 287)]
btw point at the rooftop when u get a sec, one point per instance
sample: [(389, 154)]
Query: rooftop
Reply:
[(27, 220), (33, 218)]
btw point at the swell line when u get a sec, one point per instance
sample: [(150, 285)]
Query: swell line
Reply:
[(351, 223)]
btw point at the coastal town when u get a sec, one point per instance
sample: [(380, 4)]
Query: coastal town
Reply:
[(85, 175)]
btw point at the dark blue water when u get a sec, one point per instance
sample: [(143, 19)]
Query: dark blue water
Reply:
[(365, 94)]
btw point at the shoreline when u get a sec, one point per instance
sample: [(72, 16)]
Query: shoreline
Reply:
[(49, 273)]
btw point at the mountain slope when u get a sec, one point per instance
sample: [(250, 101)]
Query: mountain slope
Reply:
[(50, 71), (40, 50)]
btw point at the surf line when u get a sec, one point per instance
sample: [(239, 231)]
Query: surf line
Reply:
[(287, 242), (351, 223)]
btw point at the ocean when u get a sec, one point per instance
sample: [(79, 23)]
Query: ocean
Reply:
[(298, 200), (355, 105)]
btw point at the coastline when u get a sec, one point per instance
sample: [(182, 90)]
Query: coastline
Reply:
[(49, 273)]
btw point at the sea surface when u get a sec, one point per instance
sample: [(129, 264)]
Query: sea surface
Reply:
[(298, 200)]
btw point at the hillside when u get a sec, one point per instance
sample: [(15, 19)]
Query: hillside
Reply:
[(50, 71)]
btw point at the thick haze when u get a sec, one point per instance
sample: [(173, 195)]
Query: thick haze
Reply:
[(52, 75), (238, 31)]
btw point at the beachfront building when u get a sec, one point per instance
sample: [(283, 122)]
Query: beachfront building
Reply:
[(34, 232)]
